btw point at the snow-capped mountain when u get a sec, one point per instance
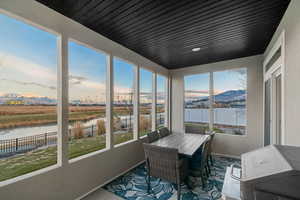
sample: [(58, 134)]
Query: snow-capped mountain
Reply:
[(13, 98), (227, 96), (231, 95)]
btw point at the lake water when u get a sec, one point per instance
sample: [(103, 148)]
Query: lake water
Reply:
[(6, 134)]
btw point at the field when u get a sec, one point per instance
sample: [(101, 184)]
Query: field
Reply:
[(18, 116)]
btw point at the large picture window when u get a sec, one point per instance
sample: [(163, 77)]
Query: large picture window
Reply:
[(145, 108), (216, 101), (28, 98), (230, 93), (161, 101), (87, 96), (123, 101), (197, 112)]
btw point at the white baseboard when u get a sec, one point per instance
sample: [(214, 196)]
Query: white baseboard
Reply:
[(226, 155), (110, 180)]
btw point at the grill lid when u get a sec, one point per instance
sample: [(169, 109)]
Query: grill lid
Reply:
[(273, 169), (268, 161)]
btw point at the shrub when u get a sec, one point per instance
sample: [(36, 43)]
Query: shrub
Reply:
[(145, 124), (77, 130), (101, 127), (117, 123)]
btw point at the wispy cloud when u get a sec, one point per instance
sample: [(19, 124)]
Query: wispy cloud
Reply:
[(29, 83), (26, 67), (196, 92), (75, 80)]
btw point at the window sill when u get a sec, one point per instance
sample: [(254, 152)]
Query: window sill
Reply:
[(124, 143), (73, 160), (29, 175), (143, 137), (228, 134)]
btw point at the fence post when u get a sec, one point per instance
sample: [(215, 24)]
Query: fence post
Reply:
[(160, 119), (46, 142), (130, 120), (92, 130), (17, 144)]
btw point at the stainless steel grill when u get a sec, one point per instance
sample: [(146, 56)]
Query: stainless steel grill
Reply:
[(272, 172)]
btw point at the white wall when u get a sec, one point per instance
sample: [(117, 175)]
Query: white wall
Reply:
[(224, 143), (290, 23), (75, 179), (68, 181)]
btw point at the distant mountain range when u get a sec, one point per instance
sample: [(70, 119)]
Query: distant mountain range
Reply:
[(15, 99), (18, 99), (231, 95), (227, 96)]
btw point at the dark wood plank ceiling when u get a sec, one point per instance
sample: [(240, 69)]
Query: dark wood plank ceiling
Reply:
[(166, 31)]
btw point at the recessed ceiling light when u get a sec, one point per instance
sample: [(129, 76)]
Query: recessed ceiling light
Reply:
[(196, 49)]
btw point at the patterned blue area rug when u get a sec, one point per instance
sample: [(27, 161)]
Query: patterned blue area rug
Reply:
[(132, 186)]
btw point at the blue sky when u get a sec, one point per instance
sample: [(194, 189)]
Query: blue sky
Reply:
[(145, 80), (28, 59), (28, 65), (27, 42), (223, 81)]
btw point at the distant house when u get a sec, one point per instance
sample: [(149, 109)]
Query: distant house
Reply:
[(14, 102)]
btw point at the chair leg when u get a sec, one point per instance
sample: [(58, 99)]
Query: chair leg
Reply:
[(178, 191), (148, 184), (203, 181), (187, 182), (209, 171), (208, 166), (211, 160), (206, 172)]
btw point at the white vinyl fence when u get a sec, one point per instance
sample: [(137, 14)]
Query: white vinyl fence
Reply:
[(226, 116)]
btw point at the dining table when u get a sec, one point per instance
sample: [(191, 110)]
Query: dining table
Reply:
[(186, 143)]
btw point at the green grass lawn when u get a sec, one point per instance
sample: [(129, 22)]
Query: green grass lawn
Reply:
[(38, 159), (123, 137)]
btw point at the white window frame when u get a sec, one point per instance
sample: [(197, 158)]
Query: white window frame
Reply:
[(167, 102), (138, 120), (108, 137), (277, 67), (135, 101), (211, 100)]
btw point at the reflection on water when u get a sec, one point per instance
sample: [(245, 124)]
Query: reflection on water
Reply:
[(36, 130)]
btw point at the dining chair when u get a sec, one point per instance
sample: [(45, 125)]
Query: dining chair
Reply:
[(198, 164), (164, 163), (209, 153), (163, 132), (153, 136)]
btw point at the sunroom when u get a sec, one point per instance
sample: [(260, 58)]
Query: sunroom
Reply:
[(138, 100)]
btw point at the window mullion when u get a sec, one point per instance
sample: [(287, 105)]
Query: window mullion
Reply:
[(136, 102), (109, 102), (63, 105), (211, 100), (154, 89), (167, 104)]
